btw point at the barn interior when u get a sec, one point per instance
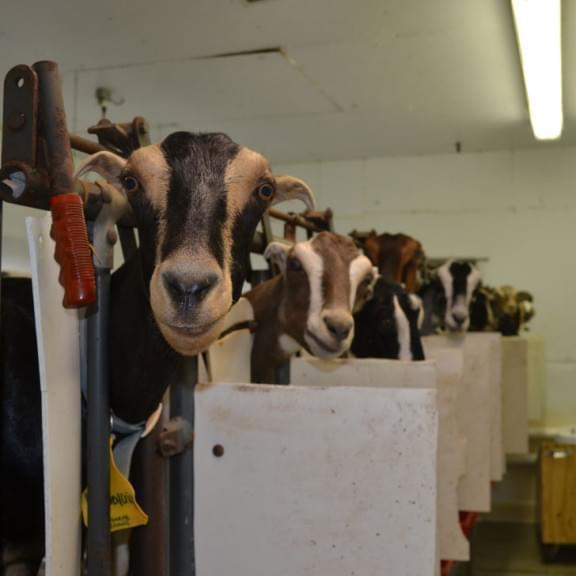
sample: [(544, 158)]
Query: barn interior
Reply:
[(402, 117)]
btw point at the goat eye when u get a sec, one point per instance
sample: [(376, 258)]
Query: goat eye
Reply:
[(266, 191), (294, 264), (366, 282), (130, 184)]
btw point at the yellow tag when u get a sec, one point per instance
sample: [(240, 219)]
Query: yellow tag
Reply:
[(124, 510)]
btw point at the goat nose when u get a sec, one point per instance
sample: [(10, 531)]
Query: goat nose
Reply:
[(459, 318), (339, 328), (191, 289)]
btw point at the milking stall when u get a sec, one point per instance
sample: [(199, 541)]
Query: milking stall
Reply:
[(286, 288)]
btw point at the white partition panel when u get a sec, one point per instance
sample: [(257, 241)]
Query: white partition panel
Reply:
[(57, 333), (229, 357), (306, 481), (445, 376), (498, 449), (515, 366), (536, 377), (475, 405), (453, 544)]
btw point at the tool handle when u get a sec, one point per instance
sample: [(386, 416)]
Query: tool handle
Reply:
[(72, 251)]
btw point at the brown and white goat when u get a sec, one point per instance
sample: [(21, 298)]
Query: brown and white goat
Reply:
[(398, 257), (310, 304), (197, 199)]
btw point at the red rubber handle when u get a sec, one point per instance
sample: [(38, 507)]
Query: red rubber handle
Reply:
[(72, 250)]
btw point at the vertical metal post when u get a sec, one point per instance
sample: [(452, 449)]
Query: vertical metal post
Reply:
[(182, 558), (149, 474), (98, 430)]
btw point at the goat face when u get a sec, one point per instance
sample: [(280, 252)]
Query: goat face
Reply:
[(197, 199), (325, 280), (388, 325), (459, 281)]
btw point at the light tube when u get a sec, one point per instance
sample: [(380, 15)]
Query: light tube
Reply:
[(538, 30)]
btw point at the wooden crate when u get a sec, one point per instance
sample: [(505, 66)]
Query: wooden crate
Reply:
[(557, 493)]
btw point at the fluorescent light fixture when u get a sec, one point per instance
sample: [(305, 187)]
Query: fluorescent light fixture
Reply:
[(538, 29)]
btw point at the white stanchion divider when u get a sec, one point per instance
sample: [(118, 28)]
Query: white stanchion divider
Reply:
[(479, 419), (444, 375), (515, 379), (313, 481), (498, 449), (57, 333), (229, 357), (536, 377)]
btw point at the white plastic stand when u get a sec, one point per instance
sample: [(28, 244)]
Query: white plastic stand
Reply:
[(445, 376), (229, 357), (57, 333), (478, 414), (312, 481), (515, 367), (536, 377)]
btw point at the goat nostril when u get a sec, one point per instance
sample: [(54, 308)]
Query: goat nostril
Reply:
[(189, 290), (338, 329)]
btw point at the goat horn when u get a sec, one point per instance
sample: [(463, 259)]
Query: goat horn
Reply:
[(290, 188)]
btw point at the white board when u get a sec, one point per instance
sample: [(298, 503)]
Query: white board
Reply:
[(515, 366), (229, 357), (475, 405), (57, 333), (444, 375), (498, 449), (302, 487), (536, 377), (453, 544)]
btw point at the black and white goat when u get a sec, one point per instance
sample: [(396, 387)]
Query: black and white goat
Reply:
[(388, 324), (447, 297), (197, 199)]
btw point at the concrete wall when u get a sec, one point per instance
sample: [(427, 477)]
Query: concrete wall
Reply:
[(515, 208)]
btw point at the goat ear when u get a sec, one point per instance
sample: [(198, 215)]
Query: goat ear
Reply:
[(415, 301), (277, 252), (106, 164), (290, 188)]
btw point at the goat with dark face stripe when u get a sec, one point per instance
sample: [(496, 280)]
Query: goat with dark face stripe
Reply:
[(388, 325), (197, 199), (448, 296), (310, 304)]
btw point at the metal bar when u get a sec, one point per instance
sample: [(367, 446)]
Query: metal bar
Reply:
[(149, 556), (98, 431), (84, 145), (182, 557), (53, 129), (294, 219)]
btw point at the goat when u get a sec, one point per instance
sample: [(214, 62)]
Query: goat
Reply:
[(310, 303), (447, 297), (388, 324), (503, 310), (197, 199), (398, 257)]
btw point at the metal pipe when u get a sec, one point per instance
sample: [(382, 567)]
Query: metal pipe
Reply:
[(84, 145), (149, 474), (182, 558), (98, 430), (53, 129)]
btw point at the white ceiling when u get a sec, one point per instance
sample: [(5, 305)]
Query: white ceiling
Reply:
[(353, 79)]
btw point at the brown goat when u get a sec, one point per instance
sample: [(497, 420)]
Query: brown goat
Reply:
[(310, 304), (398, 257)]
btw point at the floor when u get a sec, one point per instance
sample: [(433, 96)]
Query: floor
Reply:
[(500, 549)]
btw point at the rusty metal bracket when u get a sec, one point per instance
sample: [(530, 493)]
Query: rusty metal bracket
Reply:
[(122, 139), (176, 437), (21, 181)]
